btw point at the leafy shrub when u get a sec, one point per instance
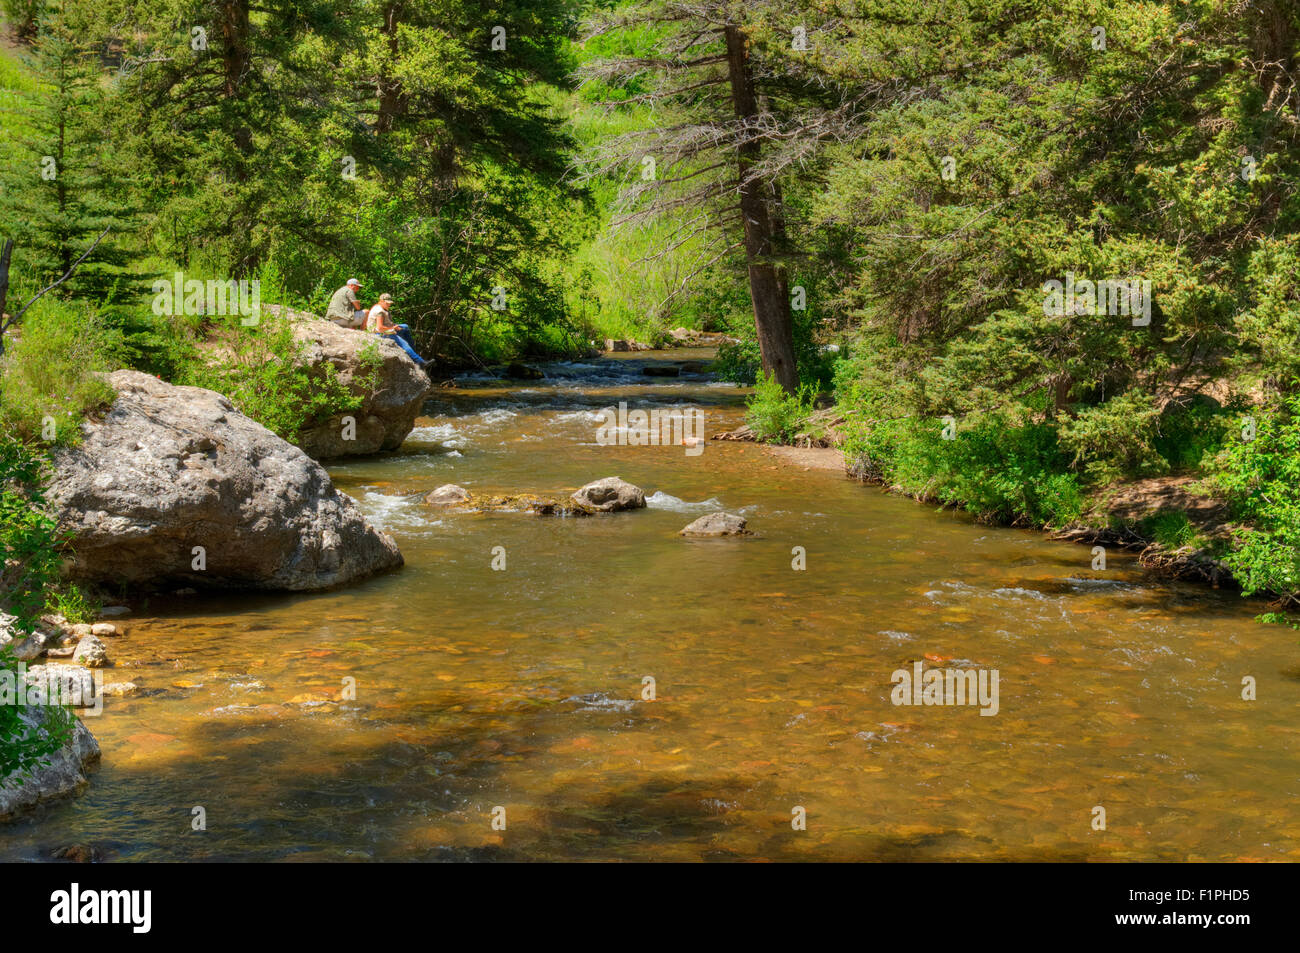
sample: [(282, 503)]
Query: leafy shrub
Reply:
[(26, 746), (29, 560), (1116, 439), (997, 470), (29, 566), (49, 373), (1170, 529), (74, 604), (775, 415), (263, 373), (1189, 435), (1260, 479)]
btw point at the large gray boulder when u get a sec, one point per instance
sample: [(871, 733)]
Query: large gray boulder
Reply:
[(388, 408), (610, 495), (64, 774), (174, 487)]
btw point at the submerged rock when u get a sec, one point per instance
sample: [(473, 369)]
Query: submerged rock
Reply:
[(661, 370), (173, 486), (717, 524), (78, 854), (610, 495), (523, 372), (449, 494), (63, 775)]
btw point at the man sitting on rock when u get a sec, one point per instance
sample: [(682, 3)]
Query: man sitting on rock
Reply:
[(345, 310), (378, 321)]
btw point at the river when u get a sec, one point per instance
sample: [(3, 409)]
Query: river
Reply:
[(478, 688)]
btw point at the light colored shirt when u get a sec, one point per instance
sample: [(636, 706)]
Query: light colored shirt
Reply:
[(377, 320)]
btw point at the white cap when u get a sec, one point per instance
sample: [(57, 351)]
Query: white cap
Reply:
[(353, 281)]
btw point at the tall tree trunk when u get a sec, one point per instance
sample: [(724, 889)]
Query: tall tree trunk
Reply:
[(236, 60), (768, 286), (390, 90)]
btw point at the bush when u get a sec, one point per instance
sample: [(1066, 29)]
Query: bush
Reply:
[(25, 746), (1260, 479), (29, 560), (776, 416), (49, 374), (1172, 530), (29, 567), (1000, 471), (1116, 439), (263, 373), (1191, 435)]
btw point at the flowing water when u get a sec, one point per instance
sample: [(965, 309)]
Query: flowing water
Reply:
[(523, 688)]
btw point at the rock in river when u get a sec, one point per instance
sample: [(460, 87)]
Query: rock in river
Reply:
[(91, 652), (173, 486), (390, 400), (610, 495), (717, 524), (63, 774), (449, 494)]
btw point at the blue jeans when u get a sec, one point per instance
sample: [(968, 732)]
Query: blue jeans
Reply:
[(402, 338)]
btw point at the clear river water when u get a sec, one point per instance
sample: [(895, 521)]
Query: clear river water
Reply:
[(522, 688)]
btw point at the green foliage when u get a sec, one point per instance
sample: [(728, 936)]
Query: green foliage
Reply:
[(1114, 439), (25, 15), (262, 370), (62, 185), (1260, 479), (997, 469), (23, 745), (1170, 529), (74, 604), (776, 416), (741, 363), (29, 559), (49, 374), (1194, 433)]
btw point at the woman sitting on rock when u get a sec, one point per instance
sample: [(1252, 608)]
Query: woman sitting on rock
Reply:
[(378, 322)]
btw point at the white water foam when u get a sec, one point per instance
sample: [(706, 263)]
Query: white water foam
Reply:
[(659, 500), (400, 513)]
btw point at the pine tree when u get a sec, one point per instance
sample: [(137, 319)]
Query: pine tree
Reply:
[(63, 185)]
